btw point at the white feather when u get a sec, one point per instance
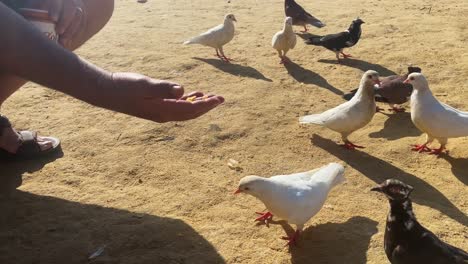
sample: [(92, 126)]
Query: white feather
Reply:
[(217, 36), (284, 40), (298, 197), (349, 116), (437, 119)]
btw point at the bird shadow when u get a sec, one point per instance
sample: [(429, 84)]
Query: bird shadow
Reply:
[(11, 172), (316, 241), (42, 229), (379, 170), (235, 69), (303, 75), (459, 167), (397, 125), (306, 35), (362, 65)]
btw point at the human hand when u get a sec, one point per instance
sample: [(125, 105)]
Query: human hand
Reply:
[(156, 100), (69, 16)]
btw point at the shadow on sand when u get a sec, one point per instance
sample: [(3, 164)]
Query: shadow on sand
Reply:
[(235, 69), (41, 229), (398, 125), (333, 243), (309, 77), (379, 170), (459, 167), (361, 65)]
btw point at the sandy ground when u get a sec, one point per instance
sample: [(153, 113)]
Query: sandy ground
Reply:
[(162, 193)]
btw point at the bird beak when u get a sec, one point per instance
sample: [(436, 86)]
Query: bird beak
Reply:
[(376, 189), (377, 82), (406, 81), (238, 191), (234, 19)]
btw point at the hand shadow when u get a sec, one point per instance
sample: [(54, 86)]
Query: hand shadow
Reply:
[(362, 65), (309, 77), (11, 172), (41, 229), (235, 69), (315, 242), (398, 125), (459, 167), (379, 170)]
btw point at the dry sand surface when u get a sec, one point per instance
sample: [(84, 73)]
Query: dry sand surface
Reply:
[(162, 193)]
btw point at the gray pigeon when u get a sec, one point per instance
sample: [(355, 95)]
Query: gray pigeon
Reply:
[(392, 90), (300, 16)]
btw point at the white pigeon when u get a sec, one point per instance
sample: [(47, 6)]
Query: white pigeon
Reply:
[(352, 115), (217, 37), (295, 198), (284, 40), (438, 120)]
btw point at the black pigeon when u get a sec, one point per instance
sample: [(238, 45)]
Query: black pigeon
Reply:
[(337, 42), (300, 16), (392, 90), (405, 240)]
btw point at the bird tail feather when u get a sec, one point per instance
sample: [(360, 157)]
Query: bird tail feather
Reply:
[(311, 119), (314, 41), (194, 40)]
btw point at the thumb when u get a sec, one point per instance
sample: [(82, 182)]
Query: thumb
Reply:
[(55, 9)]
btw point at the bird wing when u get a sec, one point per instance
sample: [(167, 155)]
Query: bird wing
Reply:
[(214, 37), (292, 40), (336, 41), (346, 117), (301, 176), (437, 119), (394, 90)]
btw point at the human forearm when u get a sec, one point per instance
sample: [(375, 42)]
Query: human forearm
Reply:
[(26, 53)]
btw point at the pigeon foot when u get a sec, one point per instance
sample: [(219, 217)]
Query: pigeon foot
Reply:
[(346, 55), (438, 151), (421, 148), (265, 217), (292, 240), (351, 146), (305, 30)]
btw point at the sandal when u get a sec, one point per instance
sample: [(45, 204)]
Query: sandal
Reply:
[(29, 148)]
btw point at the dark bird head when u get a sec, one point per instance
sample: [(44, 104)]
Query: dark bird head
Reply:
[(394, 189), (358, 21), (412, 69)]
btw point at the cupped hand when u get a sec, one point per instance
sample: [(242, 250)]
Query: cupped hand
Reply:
[(157, 100)]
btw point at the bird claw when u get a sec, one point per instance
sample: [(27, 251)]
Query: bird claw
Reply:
[(437, 152), (346, 55), (351, 146), (292, 240), (421, 148), (265, 217)]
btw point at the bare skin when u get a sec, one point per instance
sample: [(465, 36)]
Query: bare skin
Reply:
[(59, 69)]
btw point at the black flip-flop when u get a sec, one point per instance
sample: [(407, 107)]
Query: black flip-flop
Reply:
[(29, 147)]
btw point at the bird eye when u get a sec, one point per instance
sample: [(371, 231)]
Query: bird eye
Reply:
[(246, 188), (411, 78), (370, 76)]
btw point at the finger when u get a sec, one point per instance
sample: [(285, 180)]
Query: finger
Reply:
[(164, 90), (55, 8), (197, 94), (69, 11), (76, 24)]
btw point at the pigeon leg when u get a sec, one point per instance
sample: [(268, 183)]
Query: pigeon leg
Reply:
[(265, 217), (423, 147), (305, 29), (217, 54), (292, 240), (347, 144), (337, 54), (223, 57), (345, 55), (280, 54)]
